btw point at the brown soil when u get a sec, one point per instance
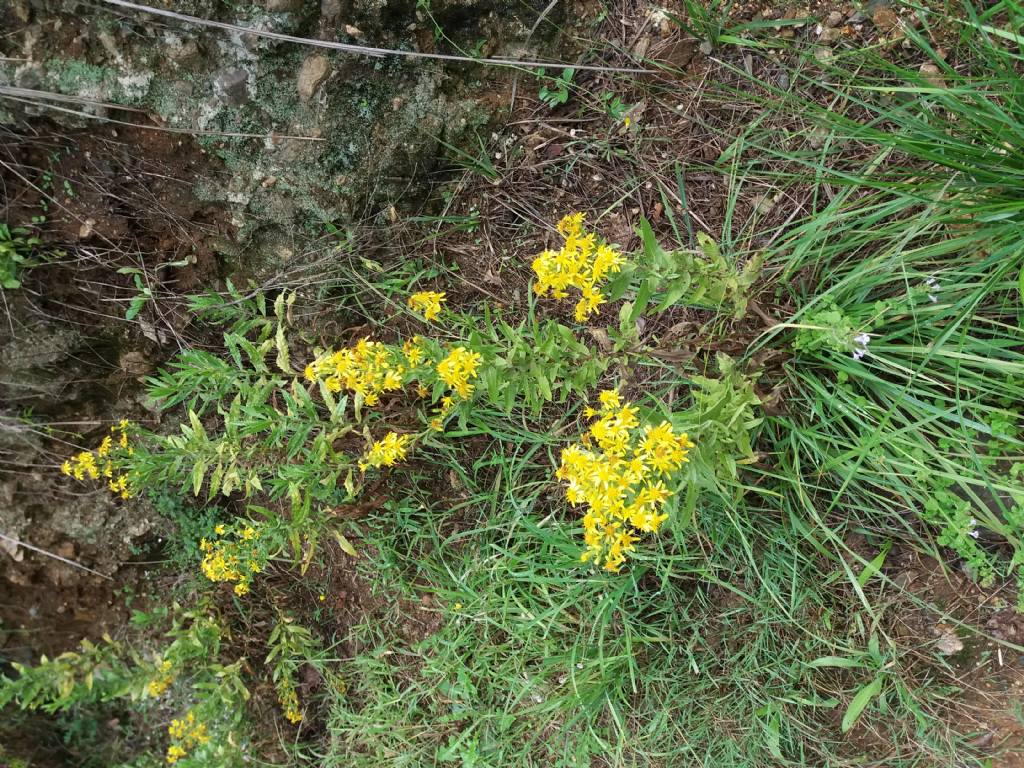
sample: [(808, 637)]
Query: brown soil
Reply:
[(111, 198)]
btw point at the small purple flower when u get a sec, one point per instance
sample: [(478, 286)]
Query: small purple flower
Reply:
[(860, 345)]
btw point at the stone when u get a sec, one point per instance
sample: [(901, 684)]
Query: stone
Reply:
[(932, 75), (232, 87), (833, 20), (312, 74), (678, 54), (886, 20), (29, 76), (948, 643), (283, 6), (830, 35), (330, 10)]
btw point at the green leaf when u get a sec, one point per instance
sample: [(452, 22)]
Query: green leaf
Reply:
[(676, 289), (875, 565), (138, 302), (709, 247), (283, 358), (643, 298), (835, 661), (345, 544), (617, 287), (771, 734), (860, 702), (197, 477)]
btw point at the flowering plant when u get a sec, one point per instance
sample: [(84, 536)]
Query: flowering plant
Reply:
[(583, 262), (623, 482)]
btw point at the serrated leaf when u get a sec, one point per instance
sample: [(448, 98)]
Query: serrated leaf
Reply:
[(283, 361), (197, 425)]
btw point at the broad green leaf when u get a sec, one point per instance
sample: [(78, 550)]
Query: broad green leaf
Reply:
[(197, 477), (138, 302), (860, 702)]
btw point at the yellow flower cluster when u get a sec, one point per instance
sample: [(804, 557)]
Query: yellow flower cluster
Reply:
[(437, 422), (457, 369), (233, 559), (427, 302), (622, 482), (289, 700), (162, 681), (386, 451), (582, 263), (368, 369), (103, 462), (413, 352), (185, 734)]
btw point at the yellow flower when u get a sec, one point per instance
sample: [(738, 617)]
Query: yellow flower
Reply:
[(386, 452), (174, 754), (427, 302), (610, 399), (227, 560), (162, 682), (618, 483), (84, 464), (413, 352), (219, 529), (368, 368), (458, 368), (185, 734), (289, 700), (582, 263)]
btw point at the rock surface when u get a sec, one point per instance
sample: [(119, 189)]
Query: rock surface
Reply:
[(314, 70)]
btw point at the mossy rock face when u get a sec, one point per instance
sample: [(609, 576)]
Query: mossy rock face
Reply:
[(324, 133)]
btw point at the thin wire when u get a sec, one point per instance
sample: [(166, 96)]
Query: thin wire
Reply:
[(366, 50), (4, 94), (20, 543), (30, 93)]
